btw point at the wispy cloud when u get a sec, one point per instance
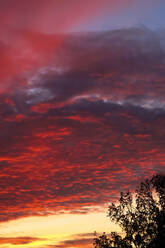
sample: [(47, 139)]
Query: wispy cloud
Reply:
[(18, 240), (79, 240)]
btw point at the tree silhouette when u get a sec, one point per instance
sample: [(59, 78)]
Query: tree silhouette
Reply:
[(140, 215)]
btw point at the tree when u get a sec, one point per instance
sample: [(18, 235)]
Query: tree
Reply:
[(140, 215)]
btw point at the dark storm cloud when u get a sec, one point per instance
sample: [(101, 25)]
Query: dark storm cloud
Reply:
[(78, 130)]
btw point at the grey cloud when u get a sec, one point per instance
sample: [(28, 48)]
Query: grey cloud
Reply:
[(120, 66)]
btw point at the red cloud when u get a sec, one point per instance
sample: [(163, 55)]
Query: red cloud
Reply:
[(27, 31), (63, 163), (76, 138), (18, 240)]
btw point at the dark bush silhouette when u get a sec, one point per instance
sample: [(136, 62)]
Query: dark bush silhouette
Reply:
[(141, 217)]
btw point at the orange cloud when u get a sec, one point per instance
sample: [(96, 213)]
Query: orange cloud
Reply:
[(18, 240)]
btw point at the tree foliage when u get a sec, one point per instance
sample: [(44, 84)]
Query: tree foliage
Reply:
[(140, 215)]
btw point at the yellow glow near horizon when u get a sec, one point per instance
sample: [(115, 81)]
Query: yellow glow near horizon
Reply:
[(56, 228)]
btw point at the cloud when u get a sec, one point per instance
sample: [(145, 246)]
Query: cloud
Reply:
[(28, 31), (78, 130), (74, 243), (28, 39), (79, 240), (18, 240), (116, 68)]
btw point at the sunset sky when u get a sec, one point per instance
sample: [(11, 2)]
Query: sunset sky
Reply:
[(82, 114)]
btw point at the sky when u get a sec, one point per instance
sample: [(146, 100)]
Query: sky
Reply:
[(82, 114)]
